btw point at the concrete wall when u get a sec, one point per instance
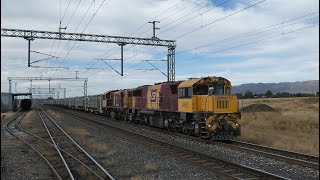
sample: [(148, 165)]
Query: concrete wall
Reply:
[(6, 102)]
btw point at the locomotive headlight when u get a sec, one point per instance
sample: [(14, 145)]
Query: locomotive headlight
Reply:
[(237, 124), (209, 125)]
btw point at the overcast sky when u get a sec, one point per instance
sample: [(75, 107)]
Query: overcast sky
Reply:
[(244, 41)]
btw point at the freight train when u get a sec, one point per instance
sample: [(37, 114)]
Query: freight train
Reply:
[(198, 106)]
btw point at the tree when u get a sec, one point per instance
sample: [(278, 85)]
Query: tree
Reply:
[(268, 94), (239, 95), (248, 94)]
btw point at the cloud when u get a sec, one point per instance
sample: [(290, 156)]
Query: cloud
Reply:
[(291, 57)]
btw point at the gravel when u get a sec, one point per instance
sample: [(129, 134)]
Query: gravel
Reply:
[(18, 161), (128, 160), (134, 161), (273, 166)]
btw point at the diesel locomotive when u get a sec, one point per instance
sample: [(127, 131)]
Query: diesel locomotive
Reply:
[(202, 107)]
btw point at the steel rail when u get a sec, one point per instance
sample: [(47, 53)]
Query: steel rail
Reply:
[(40, 154), (109, 176), (225, 169), (49, 143), (56, 146), (289, 156)]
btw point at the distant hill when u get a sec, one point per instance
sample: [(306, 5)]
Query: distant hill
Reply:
[(311, 86)]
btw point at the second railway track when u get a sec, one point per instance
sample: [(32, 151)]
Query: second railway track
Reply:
[(60, 139), (220, 167), (279, 154)]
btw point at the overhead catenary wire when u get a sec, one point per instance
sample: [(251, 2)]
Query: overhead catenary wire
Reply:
[(261, 30), (170, 15), (188, 49), (74, 30), (113, 52), (254, 32), (148, 23), (155, 47), (245, 44), (210, 23), (83, 30), (206, 11), (64, 30), (234, 47)]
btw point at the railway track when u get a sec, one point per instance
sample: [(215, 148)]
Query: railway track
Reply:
[(283, 155), (53, 152), (11, 127), (220, 167)]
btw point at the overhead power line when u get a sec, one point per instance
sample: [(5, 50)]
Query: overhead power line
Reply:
[(64, 31), (245, 44), (258, 31), (224, 2), (245, 8), (83, 30), (220, 19)]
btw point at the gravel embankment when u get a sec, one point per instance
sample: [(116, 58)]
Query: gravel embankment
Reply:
[(127, 160), (259, 162)]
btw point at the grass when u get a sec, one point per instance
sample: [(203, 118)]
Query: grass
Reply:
[(126, 174), (99, 148), (7, 115), (29, 118), (294, 125), (150, 167), (78, 132)]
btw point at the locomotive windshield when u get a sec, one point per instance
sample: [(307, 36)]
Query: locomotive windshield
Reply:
[(228, 91), (200, 90), (209, 90), (216, 89)]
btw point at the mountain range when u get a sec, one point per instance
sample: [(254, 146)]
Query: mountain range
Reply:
[(311, 86)]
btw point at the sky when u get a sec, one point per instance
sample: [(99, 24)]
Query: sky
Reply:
[(267, 41)]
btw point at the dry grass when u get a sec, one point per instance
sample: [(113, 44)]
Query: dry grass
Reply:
[(7, 115), (99, 148), (27, 120), (151, 167), (126, 174), (78, 132), (294, 126), (110, 163)]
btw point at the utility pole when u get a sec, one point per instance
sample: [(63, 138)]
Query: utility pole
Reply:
[(60, 30), (29, 39), (76, 74), (154, 28), (122, 44), (49, 88)]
